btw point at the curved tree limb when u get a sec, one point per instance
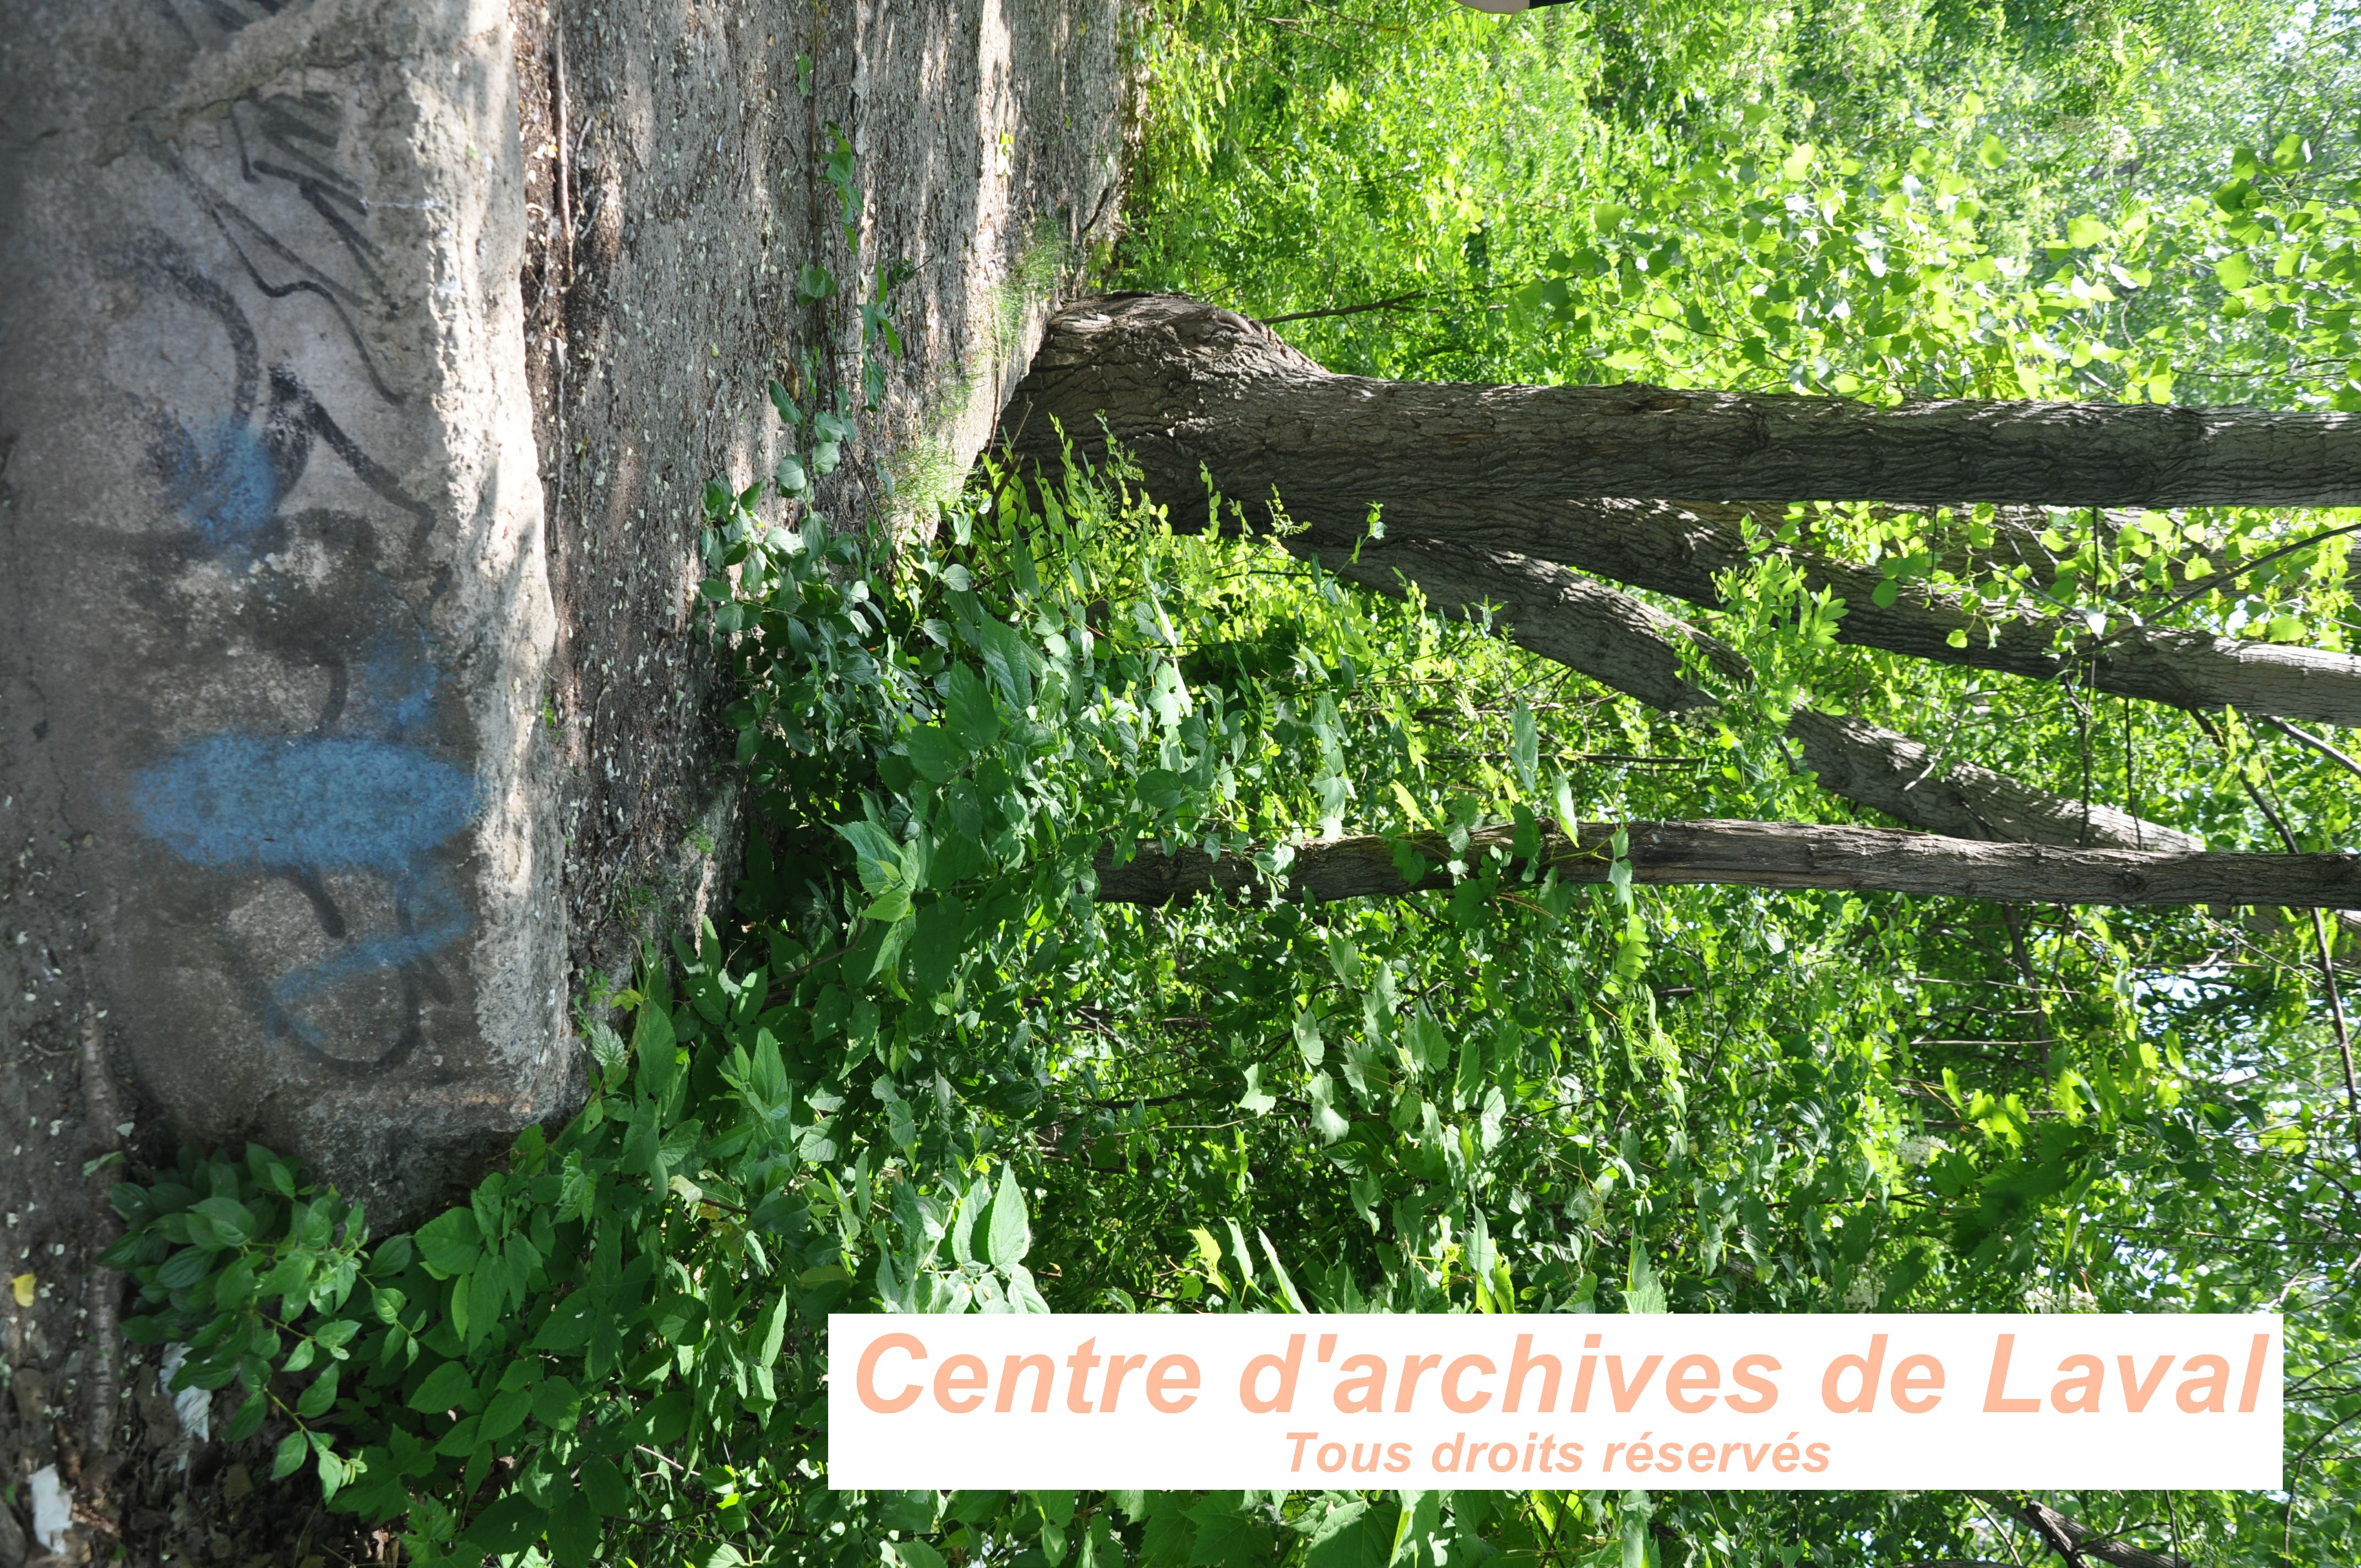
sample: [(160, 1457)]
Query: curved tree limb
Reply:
[(1669, 549), (1568, 619), (2078, 1542), (1629, 647)]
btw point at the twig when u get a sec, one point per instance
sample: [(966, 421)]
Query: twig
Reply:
[(801, 970), (2320, 940), (1349, 310), (2220, 578), (2315, 743)]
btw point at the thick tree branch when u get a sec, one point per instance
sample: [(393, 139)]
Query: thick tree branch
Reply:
[(1493, 444), (1608, 636), (1191, 391), (1629, 647), (1904, 778), (1762, 854), (1671, 550)]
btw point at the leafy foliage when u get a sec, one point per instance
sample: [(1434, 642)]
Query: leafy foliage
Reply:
[(921, 1067), (930, 1073)]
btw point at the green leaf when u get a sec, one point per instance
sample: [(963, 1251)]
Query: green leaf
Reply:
[(1358, 1535), (910, 1512), (234, 1286), (968, 710), (319, 1396), (935, 753), (506, 1412), (554, 1399), (568, 1327), (509, 1525), (1227, 1536), (1101, 1547), (1307, 1038), (288, 1458), (1643, 1291), (1161, 789), (1010, 1237), (1331, 1123), (678, 1319), (574, 1537), (651, 1048), (448, 1387), (249, 1420), (232, 1221), (450, 1244), (603, 1487), (1286, 1286)]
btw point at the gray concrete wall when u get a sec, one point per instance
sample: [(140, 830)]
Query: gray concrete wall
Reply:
[(275, 642), (360, 365), (672, 178)]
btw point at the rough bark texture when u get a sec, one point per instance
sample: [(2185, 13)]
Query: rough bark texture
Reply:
[(1905, 779), (1673, 550), (1192, 391), (1611, 637), (2071, 1539), (1877, 768), (1296, 423), (1765, 854)]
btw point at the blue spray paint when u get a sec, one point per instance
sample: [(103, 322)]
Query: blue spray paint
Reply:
[(363, 794), (304, 803), (225, 487)]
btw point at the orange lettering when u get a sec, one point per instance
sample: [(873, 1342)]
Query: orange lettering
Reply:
[(1997, 1401), (865, 1376), (955, 1381), (1452, 1397), (1692, 1383)]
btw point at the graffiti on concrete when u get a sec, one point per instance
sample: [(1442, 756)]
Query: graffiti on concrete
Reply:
[(355, 803)]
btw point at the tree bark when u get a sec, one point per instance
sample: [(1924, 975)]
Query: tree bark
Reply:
[(1568, 619), (1669, 549), (1167, 360), (1193, 392), (1904, 778), (1632, 648), (1760, 854), (2071, 1539)]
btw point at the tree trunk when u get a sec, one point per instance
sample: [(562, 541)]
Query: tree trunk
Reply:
[(1160, 361), (1193, 391), (1760, 854)]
